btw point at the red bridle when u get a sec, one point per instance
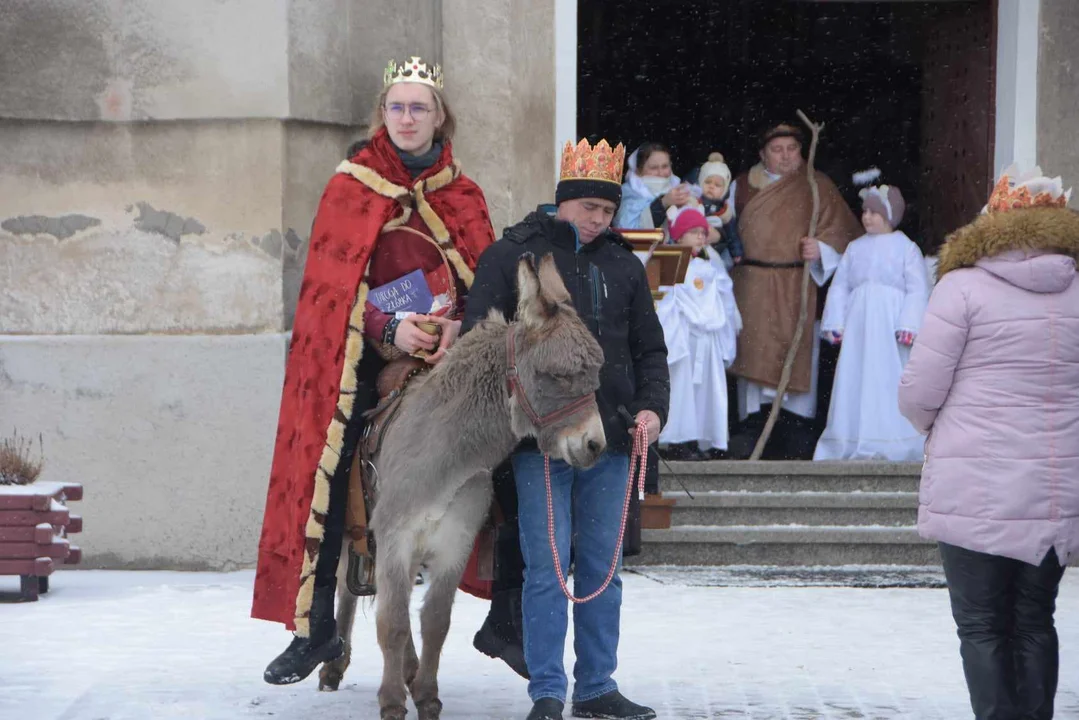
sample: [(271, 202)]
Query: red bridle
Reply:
[(515, 388)]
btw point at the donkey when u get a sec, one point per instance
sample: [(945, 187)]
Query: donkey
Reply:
[(502, 382)]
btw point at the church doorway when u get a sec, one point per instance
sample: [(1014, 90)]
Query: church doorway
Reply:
[(905, 86)]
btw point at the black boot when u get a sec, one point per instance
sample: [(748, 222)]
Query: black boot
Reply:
[(612, 706), (501, 635), (303, 655), (546, 709)]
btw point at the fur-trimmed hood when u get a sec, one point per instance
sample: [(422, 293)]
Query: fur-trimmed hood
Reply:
[(1039, 231)]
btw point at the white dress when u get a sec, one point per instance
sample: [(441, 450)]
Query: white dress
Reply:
[(700, 325), (880, 287)]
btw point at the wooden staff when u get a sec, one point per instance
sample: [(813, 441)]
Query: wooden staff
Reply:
[(803, 308)]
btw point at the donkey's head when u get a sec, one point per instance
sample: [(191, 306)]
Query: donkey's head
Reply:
[(558, 363)]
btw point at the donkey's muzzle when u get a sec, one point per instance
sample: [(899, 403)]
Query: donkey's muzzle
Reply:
[(582, 445)]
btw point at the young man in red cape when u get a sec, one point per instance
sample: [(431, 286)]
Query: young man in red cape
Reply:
[(330, 375)]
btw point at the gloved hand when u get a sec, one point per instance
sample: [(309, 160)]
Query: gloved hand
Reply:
[(904, 337)]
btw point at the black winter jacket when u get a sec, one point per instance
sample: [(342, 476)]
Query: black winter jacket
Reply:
[(612, 297)]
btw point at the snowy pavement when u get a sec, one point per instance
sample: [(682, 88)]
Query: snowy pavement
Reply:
[(147, 645)]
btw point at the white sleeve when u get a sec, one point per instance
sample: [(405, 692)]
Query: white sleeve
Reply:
[(835, 307), (916, 286), (823, 268)]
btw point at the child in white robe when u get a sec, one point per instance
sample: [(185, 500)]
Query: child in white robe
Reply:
[(874, 311), (700, 325)]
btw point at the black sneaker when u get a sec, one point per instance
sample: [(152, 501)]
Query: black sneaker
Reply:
[(546, 709), (612, 706)]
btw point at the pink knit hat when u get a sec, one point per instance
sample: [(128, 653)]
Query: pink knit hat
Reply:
[(687, 219)]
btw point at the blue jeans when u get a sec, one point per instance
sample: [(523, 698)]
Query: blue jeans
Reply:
[(587, 507)]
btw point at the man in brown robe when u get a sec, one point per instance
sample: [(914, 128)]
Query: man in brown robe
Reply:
[(773, 203)]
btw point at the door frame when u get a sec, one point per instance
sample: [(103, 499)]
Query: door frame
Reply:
[(1016, 121), (565, 69)]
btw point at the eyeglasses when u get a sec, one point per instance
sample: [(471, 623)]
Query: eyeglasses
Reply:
[(418, 111)]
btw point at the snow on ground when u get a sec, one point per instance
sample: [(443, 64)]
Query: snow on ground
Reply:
[(106, 645)]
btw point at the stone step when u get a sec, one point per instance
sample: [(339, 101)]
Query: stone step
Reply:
[(762, 576), (721, 508), (785, 545), (792, 476)]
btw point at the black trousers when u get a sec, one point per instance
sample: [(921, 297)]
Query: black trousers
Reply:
[(329, 552), (509, 562), (1003, 609)]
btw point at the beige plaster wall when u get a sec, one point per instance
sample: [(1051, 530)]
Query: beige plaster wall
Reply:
[(171, 438), (160, 165), (144, 59), (180, 230)]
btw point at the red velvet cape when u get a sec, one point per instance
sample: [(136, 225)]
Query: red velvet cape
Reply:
[(352, 213)]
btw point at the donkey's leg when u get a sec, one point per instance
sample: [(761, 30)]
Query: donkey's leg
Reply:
[(331, 674), (412, 660), (449, 548), (394, 583)]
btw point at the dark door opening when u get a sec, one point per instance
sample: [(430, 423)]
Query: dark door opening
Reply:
[(905, 86)]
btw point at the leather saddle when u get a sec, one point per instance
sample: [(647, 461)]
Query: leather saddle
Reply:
[(363, 476)]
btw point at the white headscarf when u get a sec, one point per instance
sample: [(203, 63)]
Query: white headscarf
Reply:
[(652, 186)]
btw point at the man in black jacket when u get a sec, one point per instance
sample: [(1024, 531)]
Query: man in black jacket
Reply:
[(611, 294)]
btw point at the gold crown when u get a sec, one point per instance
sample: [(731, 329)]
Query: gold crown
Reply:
[(1029, 192), (414, 71), (585, 162)]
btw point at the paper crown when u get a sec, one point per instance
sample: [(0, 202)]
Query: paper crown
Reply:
[(1016, 191), (413, 71), (584, 162)]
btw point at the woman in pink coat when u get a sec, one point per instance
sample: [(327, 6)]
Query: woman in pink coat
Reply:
[(994, 380)]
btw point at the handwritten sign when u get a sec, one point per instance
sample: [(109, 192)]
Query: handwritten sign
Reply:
[(408, 293)]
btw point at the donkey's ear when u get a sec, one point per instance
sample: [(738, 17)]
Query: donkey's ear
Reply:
[(528, 292), (551, 286)]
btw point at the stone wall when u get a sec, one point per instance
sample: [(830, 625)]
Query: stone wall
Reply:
[(1058, 92)]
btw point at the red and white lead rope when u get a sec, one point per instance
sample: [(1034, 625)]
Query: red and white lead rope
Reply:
[(638, 459)]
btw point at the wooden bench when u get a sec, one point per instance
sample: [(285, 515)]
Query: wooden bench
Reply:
[(35, 523)]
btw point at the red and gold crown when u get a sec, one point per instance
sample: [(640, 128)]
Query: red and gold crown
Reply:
[(1031, 190), (585, 162), (414, 71)]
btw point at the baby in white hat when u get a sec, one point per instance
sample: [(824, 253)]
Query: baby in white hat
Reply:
[(718, 206)]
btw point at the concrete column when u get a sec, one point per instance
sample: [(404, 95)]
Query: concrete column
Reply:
[(1058, 92), (500, 77)]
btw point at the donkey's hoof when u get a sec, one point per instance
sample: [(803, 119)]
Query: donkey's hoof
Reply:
[(430, 709), (329, 678), (393, 712)]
